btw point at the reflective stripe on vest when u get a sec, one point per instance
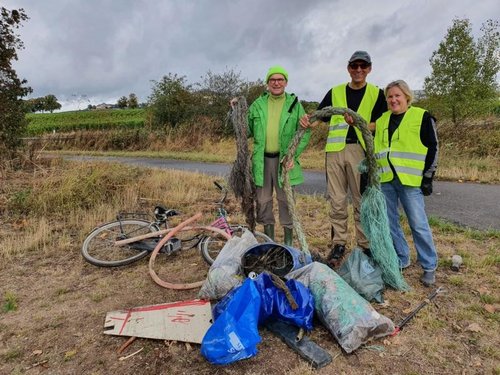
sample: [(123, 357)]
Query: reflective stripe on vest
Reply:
[(406, 152), (337, 132)]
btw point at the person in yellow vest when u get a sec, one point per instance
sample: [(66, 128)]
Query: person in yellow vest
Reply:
[(273, 120), (406, 149), (345, 149)]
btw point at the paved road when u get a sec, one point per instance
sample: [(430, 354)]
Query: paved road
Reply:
[(472, 205)]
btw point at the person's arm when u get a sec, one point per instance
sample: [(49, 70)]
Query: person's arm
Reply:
[(350, 121), (307, 134), (428, 137), (379, 108), (304, 120)]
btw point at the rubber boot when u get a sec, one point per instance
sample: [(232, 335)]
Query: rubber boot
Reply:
[(288, 236), (269, 231)]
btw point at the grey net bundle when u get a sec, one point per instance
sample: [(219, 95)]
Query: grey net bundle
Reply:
[(240, 178)]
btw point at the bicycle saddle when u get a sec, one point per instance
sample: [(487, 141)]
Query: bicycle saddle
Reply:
[(162, 211)]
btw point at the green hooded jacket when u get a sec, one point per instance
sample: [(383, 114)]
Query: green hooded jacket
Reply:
[(289, 124)]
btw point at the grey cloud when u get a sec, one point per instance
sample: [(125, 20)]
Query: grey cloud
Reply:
[(106, 48)]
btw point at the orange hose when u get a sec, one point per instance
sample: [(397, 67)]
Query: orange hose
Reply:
[(171, 233)]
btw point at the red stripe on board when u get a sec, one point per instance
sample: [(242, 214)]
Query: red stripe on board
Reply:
[(197, 302)]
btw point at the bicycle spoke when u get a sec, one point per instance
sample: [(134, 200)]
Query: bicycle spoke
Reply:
[(99, 247)]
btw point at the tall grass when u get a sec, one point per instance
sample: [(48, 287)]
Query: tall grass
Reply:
[(70, 199), (65, 201)]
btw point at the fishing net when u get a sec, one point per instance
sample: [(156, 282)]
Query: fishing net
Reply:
[(240, 178), (285, 179), (373, 207)]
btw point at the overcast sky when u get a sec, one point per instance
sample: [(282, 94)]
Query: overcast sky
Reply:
[(104, 49)]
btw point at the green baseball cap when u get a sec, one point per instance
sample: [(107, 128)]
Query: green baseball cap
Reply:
[(277, 69)]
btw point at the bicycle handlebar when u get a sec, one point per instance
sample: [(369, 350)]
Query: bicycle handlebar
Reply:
[(219, 186), (223, 189)]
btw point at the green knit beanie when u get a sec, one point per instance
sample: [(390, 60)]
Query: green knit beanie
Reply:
[(277, 69)]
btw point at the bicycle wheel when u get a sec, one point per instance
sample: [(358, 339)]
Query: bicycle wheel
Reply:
[(100, 250), (210, 246)]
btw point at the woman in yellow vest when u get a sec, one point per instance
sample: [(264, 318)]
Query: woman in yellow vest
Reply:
[(406, 149)]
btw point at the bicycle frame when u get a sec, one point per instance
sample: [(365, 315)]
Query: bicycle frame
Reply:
[(221, 221), (219, 225)]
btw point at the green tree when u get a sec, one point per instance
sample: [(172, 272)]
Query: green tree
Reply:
[(50, 103), (252, 90), (122, 102), (462, 83), (216, 90), (33, 105), (132, 101), (12, 89), (489, 63), (170, 102)]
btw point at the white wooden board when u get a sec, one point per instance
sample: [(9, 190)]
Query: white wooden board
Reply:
[(186, 321)]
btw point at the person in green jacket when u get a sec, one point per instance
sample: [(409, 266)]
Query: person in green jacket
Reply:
[(273, 120)]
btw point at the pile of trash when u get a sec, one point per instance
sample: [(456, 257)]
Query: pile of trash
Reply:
[(258, 284)]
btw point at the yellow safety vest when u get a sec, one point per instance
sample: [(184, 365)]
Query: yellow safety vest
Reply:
[(338, 128), (406, 151)]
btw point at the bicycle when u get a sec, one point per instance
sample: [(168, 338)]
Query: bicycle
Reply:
[(100, 249), (210, 246), (99, 246)]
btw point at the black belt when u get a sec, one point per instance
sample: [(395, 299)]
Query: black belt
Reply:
[(271, 154), (350, 141)]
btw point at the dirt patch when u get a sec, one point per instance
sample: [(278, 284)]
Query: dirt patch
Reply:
[(62, 302)]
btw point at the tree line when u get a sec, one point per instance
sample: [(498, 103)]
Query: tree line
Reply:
[(47, 103), (462, 85)]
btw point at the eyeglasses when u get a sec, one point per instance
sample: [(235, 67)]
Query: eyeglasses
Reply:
[(355, 66), (276, 80)]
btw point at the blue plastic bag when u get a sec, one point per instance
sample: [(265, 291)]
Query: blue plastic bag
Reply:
[(275, 305), (234, 334)]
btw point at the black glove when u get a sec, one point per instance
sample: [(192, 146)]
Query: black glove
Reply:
[(426, 186)]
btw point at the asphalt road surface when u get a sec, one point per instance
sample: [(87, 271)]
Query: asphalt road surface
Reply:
[(472, 205)]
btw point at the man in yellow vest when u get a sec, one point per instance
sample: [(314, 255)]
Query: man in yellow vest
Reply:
[(345, 149)]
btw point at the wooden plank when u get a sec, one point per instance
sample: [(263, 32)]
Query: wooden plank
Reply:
[(186, 321)]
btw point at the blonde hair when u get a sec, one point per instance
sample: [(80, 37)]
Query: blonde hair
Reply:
[(403, 86)]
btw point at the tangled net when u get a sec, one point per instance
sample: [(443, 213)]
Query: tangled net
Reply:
[(290, 155), (240, 178)]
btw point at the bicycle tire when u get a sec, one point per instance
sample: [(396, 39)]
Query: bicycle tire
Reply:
[(210, 246), (99, 246)]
